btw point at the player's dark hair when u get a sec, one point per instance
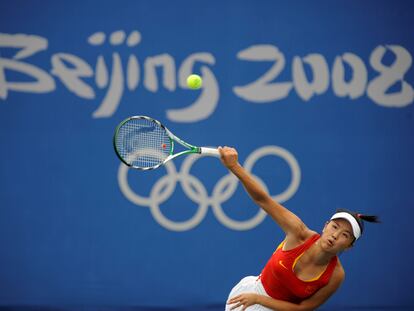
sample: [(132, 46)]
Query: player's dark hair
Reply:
[(360, 218)]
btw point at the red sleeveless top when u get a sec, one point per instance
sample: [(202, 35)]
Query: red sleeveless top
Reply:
[(280, 281)]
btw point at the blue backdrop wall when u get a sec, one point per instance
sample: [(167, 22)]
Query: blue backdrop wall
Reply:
[(316, 96)]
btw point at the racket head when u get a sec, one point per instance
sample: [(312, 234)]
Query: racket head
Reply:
[(142, 142)]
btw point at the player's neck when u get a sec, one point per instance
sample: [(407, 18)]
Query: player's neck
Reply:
[(318, 255)]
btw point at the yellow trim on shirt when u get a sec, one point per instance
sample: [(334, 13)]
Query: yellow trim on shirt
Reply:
[(311, 280), (280, 246)]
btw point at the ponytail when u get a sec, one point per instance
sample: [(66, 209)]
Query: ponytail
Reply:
[(360, 219), (369, 218)]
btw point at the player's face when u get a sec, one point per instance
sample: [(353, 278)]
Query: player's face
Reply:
[(337, 236)]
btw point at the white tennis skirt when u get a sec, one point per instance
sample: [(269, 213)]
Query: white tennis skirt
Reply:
[(249, 284)]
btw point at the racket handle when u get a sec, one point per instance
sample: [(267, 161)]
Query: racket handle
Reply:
[(210, 151)]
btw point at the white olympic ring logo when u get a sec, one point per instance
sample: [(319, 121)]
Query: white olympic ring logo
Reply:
[(195, 191)]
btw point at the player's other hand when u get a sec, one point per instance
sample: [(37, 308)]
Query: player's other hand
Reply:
[(243, 300), (228, 156)]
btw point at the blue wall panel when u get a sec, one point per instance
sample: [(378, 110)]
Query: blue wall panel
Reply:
[(316, 96)]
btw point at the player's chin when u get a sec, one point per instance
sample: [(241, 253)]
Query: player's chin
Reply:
[(329, 246)]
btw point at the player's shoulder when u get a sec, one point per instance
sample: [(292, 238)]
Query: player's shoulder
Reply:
[(307, 233), (339, 272), (298, 238)]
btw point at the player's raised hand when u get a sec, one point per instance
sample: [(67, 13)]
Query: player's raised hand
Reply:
[(228, 156)]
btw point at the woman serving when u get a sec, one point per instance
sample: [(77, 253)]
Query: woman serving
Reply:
[(304, 271)]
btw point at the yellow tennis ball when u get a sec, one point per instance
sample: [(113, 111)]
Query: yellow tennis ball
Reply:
[(194, 82)]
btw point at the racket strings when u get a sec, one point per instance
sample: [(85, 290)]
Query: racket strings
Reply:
[(143, 143)]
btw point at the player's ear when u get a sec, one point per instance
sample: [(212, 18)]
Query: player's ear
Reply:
[(349, 247)]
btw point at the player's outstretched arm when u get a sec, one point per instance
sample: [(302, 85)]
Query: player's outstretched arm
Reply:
[(288, 221)]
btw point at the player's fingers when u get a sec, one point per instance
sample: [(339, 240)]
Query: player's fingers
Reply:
[(224, 151), (234, 299), (236, 306)]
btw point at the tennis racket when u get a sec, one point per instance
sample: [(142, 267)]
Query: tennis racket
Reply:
[(144, 143)]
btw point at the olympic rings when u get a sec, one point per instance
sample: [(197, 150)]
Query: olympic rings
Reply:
[(224, 189)]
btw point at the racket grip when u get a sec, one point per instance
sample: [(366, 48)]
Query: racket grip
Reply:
[(210, 151)]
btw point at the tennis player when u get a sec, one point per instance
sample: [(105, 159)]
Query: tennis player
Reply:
[(304, 271)]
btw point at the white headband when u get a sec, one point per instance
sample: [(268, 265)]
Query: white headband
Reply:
[(351, 219)]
